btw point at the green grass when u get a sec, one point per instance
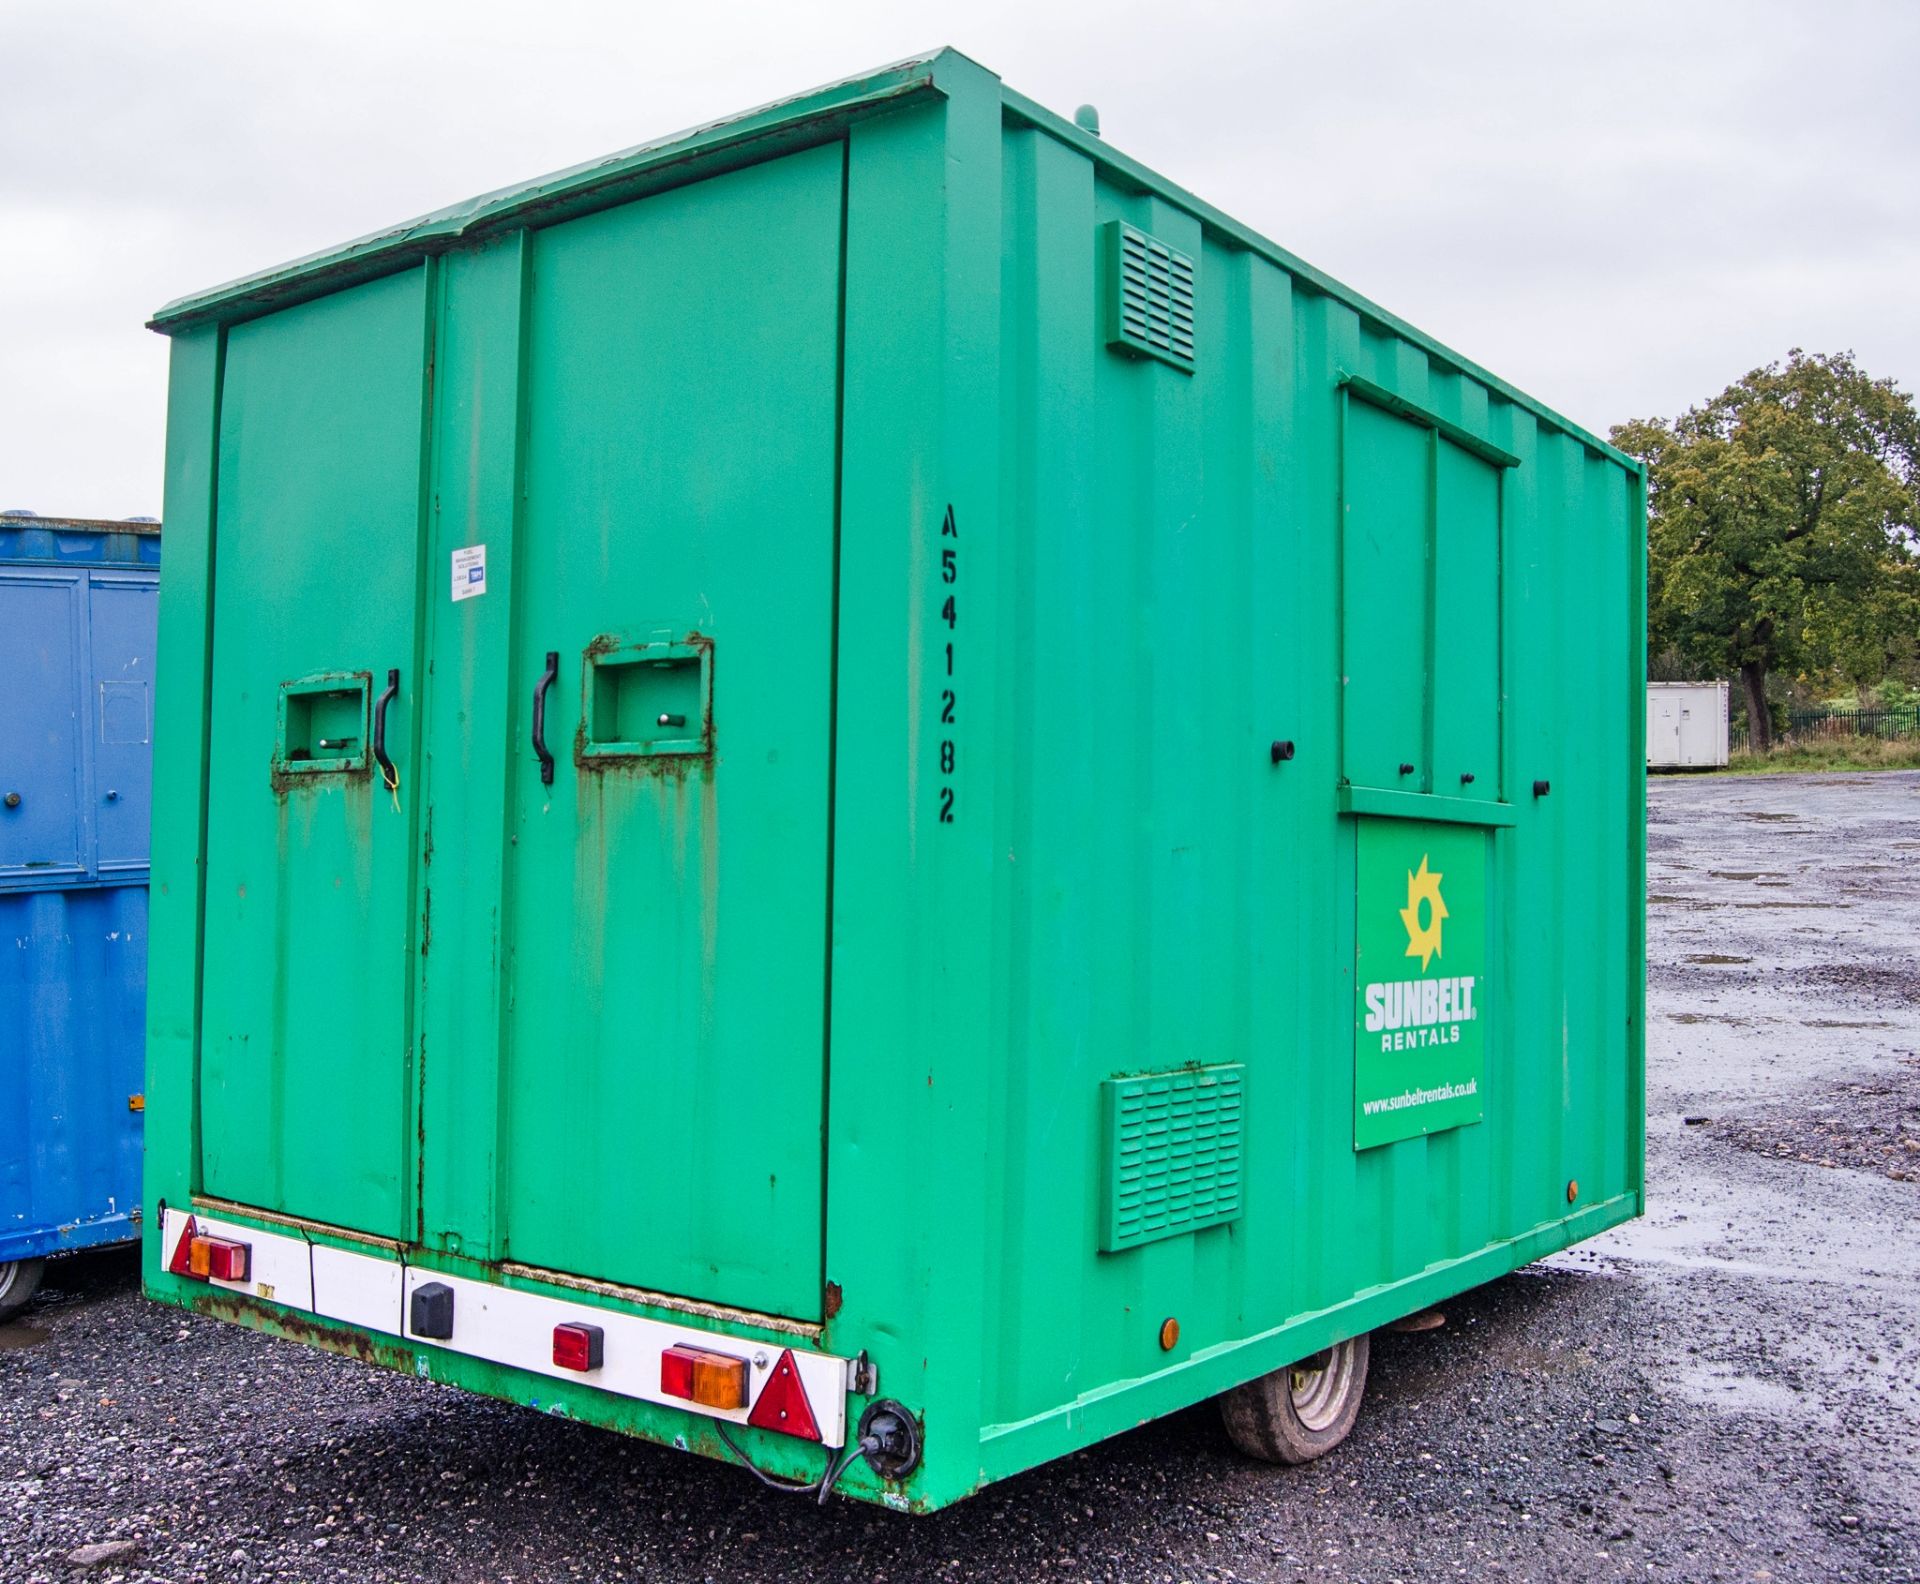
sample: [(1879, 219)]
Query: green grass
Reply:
[(1832, 753)]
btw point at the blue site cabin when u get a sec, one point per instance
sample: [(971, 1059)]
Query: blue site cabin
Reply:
[(77, 624)]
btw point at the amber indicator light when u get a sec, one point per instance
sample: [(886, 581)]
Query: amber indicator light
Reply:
[(713, 1380)]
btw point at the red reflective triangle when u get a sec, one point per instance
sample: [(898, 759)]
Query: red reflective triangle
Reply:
[(182, 1253), (783, 1404)]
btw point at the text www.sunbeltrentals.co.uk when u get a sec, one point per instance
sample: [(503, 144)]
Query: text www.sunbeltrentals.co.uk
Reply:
[(1416, 1097)]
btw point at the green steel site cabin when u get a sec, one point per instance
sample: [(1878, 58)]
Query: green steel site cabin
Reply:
[(864, 792)]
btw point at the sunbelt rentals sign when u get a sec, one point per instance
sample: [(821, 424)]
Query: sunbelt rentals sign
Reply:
[(1419, 979)]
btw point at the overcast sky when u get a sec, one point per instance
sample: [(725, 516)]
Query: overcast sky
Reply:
[(1619, 208)]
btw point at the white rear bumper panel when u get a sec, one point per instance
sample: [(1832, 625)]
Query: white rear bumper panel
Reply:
[(373, 1290)]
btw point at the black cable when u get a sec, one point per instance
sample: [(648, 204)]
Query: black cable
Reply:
[(819, 1489), (768, 1480), (832, 1478)]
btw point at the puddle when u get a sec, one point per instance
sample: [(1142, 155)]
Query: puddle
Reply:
[(1753, 815), (1716, 957), (1835, 1023), (1785, 904), (21, 1335)]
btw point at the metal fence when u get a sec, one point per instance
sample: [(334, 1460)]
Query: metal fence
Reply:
[(1823, 723), (1829, 725)]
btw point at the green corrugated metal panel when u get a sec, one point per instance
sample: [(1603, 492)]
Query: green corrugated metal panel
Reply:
[(919, 664)]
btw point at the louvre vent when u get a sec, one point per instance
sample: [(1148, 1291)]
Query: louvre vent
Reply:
[(1172, 1153), (1149, 297)]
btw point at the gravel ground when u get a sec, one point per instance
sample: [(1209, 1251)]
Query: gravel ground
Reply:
[(1871, 1126), (1729, 1389)]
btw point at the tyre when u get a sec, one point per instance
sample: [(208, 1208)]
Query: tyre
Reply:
[(1293, 1415), (19, 1281)]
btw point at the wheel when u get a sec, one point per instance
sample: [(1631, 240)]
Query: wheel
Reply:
[(1293, 1415), (19, 1281)]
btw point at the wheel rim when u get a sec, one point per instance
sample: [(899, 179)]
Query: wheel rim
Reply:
[(9, 1273), (1318, 1386)]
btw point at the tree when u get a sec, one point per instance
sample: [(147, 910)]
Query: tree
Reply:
[(1781, 526)]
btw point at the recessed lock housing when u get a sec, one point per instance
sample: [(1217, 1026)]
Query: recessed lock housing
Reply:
[(323, 724), (649, 699)]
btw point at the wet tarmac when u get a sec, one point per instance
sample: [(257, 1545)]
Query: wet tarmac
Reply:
[(1729, 1389), (1783, 1103)]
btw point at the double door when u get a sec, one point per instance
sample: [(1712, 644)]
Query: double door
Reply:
[(518, 796)]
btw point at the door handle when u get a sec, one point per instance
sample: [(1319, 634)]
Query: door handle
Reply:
[(540, 715), (388, 775)]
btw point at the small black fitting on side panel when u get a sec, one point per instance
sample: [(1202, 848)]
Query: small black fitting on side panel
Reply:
[(430, 1312), (890, 1436), (1281, 751), (1542, 788), (1406, 769)]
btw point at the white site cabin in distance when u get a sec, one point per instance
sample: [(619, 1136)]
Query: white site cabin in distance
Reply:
[(1686, 725)]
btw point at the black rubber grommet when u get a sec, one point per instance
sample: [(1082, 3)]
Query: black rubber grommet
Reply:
[(892, 1424)]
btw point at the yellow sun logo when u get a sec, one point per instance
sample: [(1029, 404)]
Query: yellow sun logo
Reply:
[(1423, 941)]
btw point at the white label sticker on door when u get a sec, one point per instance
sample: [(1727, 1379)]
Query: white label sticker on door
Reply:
[(469, 571)]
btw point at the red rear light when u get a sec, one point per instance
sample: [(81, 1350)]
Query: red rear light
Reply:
[(228, 1261), (578, 1347)]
